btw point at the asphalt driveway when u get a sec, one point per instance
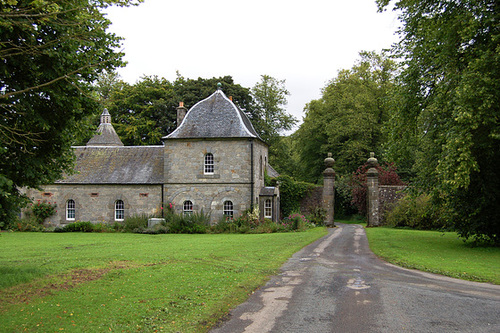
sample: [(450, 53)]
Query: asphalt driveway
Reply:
[(338, 285)]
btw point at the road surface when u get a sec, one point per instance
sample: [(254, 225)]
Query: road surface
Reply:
[(338, 285)]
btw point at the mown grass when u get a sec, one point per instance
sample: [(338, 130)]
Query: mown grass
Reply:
[(437, 252), (82, 282)]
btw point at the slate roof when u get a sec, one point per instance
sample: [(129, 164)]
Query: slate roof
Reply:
[(117, 165), (268, 191), (214, 117), (105, 136), (271, 172)]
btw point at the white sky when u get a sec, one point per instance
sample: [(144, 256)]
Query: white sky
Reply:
[(304, 42)]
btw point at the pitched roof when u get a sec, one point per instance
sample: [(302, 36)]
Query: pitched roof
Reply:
[(271, 172), (117, 165), (214, 117)]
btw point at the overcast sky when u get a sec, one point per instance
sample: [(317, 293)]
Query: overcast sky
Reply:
[(304, 42)]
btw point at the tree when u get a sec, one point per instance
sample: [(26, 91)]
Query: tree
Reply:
[(269, 116), (449, 108), (51, 51), (146, 111), (348, 119), (191, 91)]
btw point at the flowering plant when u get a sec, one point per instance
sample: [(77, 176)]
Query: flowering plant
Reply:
[(295, 221), (42, 210)]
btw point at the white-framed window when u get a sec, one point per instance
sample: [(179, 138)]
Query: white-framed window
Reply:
[(187, 207), (228, 208), (268, 209), (209, 166), (119, 210), (70, 210)]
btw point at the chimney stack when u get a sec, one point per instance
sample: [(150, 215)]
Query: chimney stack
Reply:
[(181, 113)]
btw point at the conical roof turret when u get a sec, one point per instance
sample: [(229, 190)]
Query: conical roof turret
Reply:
[(105, 134), (214, 117)]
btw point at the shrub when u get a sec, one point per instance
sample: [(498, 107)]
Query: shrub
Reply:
[(78, 226), (317, 216), (43, 210), (27, 224), (344, 207), (291, 193), (134, 222), (296, 222), (194, 223), (415, 212)]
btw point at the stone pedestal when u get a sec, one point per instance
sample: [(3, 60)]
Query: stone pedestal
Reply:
[(372, 212), (154, 221), (329, 191)]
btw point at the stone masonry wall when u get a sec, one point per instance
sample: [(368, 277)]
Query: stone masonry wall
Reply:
[(389, 194), (231, 180), (96, 203), (312, 200)]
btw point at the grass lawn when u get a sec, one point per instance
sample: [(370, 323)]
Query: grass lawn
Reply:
[(94, 282), (436, 252)]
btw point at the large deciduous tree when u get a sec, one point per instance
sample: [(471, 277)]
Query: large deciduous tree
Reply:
[(269, 115), (270, 119), (50, 53), (449, 108), (144, 112), (348, 119)]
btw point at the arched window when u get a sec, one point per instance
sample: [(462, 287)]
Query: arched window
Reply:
[(119, 210), (209, 164), (268, 209), (70, 210), (187, 207), (228, 208)]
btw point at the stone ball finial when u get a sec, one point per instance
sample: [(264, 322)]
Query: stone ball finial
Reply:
[(219, 86), (329, 161), (372, 161)]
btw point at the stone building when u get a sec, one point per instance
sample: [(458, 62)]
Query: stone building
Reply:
[(213, 162)]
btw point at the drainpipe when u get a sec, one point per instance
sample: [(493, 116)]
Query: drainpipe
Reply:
[(251, 175), (162, 203)]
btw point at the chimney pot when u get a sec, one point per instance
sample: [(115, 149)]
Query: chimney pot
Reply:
[(181, 113)]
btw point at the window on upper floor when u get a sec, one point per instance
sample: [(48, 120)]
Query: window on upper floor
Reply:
[(119, 210), (187, 207), (228, 208), (70, 210), (209, 164)]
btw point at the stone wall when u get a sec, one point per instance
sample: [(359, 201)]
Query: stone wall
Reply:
[(209, 197), (231, 180), (96, 203), (312, 200), (388, 195)]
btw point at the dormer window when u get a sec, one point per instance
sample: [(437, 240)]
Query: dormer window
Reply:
[(209, 164)]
